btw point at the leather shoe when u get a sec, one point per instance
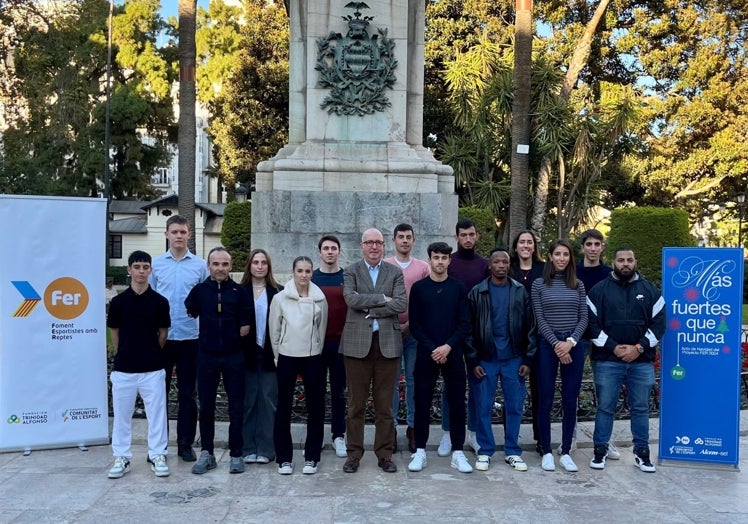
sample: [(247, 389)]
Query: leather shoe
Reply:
[(187, 453), (351, 465), (410, 435), (387, 465)]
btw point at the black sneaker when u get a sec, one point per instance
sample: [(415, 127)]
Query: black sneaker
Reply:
[(641, 460), (601, 453), (186, 452)]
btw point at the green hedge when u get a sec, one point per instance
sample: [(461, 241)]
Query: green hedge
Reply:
[(485, 225), (118, 273), (647, 230), (237, 231)]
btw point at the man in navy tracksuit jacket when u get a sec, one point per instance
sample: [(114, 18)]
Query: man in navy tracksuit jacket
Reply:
[(223, 307)]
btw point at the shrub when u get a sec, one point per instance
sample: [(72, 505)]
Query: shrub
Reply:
[(236, 233), (647, 230), (118, 273)]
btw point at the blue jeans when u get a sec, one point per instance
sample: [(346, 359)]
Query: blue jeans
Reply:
[(409, 364), (571, 382), (484, 392), (260, 399), (638, 377)]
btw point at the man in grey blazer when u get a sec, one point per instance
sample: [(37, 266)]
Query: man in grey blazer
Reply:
[(372, 345)]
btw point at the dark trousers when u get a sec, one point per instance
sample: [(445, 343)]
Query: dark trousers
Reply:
[(210, 369), (379, 372), (425, 373), (183, 355), (313, 372), (334, 365), (571, 383)]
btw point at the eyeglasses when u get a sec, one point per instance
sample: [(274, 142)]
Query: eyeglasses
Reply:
[(372, 243)]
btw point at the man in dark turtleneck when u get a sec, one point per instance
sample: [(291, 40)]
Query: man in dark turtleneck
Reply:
[(470, 268), (467, 265)]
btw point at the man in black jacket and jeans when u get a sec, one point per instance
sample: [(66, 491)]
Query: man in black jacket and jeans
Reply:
[(223, 308), (502, 345), (627, 321)]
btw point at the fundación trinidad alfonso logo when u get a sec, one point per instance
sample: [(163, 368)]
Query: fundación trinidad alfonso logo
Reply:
[(65, 298)]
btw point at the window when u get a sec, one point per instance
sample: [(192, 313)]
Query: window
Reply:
[(115, 246)]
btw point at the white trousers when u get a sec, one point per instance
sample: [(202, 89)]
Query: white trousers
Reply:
[(125, 389)]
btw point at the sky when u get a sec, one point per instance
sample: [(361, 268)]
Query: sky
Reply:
[(169, 7)]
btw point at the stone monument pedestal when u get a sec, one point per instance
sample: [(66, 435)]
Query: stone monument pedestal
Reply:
[(355, 157)]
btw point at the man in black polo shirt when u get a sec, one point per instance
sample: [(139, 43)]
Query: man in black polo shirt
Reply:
[(139, 324)]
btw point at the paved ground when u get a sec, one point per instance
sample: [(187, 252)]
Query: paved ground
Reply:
[(68, 485)]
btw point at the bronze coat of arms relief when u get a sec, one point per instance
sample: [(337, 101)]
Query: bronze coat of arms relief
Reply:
[(356, 67)]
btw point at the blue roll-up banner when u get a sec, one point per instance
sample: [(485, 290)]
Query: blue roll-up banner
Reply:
[(701, 352)]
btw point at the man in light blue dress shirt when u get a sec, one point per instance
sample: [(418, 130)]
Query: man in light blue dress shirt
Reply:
[(174, 274)]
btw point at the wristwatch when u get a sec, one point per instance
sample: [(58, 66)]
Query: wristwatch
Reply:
[(572, 340), (639, 348)]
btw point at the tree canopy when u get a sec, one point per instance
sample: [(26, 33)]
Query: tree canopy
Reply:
[(632, 102), (53, 97)]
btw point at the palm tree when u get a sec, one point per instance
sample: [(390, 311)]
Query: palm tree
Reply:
[(520, 163), (187, 128), (578, 61)]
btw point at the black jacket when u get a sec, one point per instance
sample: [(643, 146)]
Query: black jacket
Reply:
[(222, 309), (522, 335), (623, 312), (255, 355)]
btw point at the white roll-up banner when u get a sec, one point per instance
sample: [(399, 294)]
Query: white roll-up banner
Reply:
[(53, 376)]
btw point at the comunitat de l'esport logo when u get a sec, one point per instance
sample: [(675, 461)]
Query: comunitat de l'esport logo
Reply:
[(65, 298)]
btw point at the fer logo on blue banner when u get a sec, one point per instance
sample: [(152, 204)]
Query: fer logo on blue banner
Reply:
[(700, 360)]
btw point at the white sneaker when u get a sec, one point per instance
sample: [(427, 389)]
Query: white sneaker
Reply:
[(310, 467), (261, 459), (159, 466), (119, 468), (568, 463), (613, 452), (472, 441), (340, 448), (250, 459), (560, 450), (516, 462), (418, 461), (482, 462), (460, 462), (286, 468), (548, 464), (445, 445)]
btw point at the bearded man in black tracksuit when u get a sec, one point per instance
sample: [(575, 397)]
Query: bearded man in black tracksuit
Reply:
[(626, 322)]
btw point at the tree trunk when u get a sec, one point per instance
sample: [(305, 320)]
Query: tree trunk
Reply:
[(521, 118), (187, 126), (537, 222), (578, 61)]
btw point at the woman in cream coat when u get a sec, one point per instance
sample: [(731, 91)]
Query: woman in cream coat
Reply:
[(297, 321)]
